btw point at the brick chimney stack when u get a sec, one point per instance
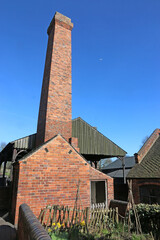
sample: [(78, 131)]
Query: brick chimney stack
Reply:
[(55, 111)]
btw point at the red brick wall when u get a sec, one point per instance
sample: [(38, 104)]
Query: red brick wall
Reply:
[(136, 183), (51, 174), (55, 112), (110, 185)]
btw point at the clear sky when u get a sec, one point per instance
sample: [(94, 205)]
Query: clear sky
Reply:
[(115, 66)]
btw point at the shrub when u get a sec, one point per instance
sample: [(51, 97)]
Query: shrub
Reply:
[(149, 216)]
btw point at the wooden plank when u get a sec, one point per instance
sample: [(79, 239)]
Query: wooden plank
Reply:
[(117, 216)]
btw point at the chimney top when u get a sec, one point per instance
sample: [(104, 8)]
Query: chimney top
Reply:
[(61, 20), (136, 158)]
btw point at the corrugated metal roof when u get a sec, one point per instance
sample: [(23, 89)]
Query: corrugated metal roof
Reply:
[(27, 142), (91, 141)]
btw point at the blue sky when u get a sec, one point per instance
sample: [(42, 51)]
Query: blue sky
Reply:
[(115, 66)]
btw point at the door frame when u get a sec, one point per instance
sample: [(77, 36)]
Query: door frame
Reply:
[(106, 190)]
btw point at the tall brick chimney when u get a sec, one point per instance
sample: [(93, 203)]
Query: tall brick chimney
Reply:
[(55, 111)]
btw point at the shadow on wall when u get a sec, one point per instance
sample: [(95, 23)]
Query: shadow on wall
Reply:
[(14, 189)]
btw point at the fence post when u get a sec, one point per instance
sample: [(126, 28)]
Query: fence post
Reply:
[(87, 218), (113, 215), (54, 213), (117, 217)]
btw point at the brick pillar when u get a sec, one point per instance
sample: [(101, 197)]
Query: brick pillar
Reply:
[(55, 111)]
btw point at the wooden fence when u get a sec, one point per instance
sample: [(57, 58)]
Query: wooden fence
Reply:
[(91, 218), (98, 205)]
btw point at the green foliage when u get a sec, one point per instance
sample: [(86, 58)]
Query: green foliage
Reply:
[(59, 236), (138, 237), (111, 232), (149, 216)]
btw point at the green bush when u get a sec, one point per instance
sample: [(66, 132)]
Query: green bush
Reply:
[(149, 216)]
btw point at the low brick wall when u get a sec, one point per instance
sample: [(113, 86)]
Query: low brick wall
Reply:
[(28, 225), (4, 198), (122, 206)]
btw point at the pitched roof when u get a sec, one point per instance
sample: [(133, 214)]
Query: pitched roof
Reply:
[(45, 143), (117, 164), (118, 173), (93, 172), (91, 141), (149, 167), (148, 144)]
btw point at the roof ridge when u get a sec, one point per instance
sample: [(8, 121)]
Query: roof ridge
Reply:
[(23, 137), (149, 166), (43, 144), (149, 142)]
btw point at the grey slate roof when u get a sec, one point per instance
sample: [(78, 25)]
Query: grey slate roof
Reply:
[(91, 141), (129, 163), (115, 168), (149, 167), (118, 173)]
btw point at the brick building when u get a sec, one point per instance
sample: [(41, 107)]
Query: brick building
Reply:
[(145, 175), (50, 165)]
